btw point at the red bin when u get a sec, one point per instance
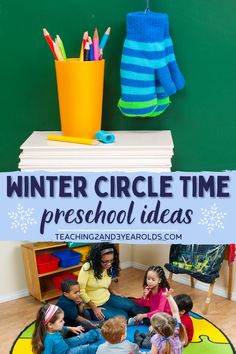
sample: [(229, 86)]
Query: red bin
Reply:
[(47, 263)]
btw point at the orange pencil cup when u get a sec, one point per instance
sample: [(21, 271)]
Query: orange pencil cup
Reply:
[(80, 94)]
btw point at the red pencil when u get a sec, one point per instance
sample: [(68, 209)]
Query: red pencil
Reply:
[(49, 41)]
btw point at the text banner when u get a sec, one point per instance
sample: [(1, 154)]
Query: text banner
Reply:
[(178, 207)]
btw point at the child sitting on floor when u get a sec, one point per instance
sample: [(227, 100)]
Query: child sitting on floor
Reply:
[(114, 332), (47, 337), (170, 334), (168, 329), (72, 305), (185, 304), (152, 301)]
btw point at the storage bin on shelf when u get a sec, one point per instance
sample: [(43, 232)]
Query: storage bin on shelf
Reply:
[(47, 263), (76, 244), (84, 250), (58, 279), (68, 258)]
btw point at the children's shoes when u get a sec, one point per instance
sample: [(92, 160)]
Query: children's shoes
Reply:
[(137, 338)]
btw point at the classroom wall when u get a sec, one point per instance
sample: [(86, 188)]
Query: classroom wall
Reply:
[(201, 117), (150, 255), (126, 255), (12, 274)]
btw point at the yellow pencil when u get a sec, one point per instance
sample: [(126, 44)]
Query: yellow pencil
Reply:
[(72, 139)]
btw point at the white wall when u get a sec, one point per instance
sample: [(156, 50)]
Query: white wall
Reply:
[(12, 274), (126, 255), (150, 255)]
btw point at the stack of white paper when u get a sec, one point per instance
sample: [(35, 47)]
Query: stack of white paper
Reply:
[(131, 151)]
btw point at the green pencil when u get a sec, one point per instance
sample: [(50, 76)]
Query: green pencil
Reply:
[(61, 46)]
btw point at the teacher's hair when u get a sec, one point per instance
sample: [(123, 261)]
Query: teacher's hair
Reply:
[(95, 256)]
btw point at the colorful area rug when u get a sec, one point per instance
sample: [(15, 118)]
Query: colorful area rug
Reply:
[(208, 339)]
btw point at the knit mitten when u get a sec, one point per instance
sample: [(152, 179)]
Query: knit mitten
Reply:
[(146, 81), (143, 55)]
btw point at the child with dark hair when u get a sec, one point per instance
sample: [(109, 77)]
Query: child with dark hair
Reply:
[(185, 304), (152, 301), (48, 339), (114, 332), (72, 305)]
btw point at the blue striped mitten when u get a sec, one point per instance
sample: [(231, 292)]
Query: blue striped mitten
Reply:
[(146, 78)]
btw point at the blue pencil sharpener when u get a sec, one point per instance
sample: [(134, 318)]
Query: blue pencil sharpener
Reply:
[(105, 137)]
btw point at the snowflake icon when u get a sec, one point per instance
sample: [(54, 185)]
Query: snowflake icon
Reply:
[(212, 218), (22, 218)]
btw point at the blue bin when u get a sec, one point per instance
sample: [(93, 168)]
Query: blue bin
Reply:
[(68, 258)]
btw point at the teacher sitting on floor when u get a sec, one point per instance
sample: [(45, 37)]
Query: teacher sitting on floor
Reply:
[(95, 284)]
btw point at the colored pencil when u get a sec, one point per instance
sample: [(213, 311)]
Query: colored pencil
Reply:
[(71, 139), (100, 54), (60, 45), (49, 41), (58, 52), (105, 38), (84, 40), (86, 52), (91, 55), (96, 44)]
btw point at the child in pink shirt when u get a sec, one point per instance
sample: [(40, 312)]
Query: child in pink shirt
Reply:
[(152, 301)]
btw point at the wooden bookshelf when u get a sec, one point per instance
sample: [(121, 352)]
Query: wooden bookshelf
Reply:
[(41, 285)]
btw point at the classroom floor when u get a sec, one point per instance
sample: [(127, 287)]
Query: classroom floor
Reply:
[(15, 315)]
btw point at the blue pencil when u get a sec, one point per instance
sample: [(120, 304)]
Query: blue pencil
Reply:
[(91, 51), (105, 38)]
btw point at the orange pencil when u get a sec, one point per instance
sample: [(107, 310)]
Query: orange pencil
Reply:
[(96, 44)]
